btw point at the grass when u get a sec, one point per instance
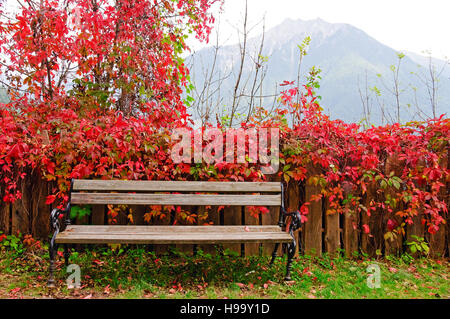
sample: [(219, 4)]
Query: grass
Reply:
[(135, 272)]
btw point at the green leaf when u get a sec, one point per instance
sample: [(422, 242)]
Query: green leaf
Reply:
[(396, 184)]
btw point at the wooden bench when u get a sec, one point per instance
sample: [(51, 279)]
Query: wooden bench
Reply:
[(177, 193)]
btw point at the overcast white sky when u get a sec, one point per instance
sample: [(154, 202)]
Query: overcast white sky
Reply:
[(412, 25)]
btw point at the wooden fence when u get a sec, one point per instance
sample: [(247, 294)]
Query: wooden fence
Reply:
[(330, 233)]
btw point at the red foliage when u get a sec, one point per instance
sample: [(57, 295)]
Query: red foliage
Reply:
[(114, 123), (122, 55)]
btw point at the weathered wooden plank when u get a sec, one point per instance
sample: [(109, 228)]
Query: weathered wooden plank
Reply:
[(135, 229), (373, 240), (172, 238), (175, 199), (393, 245), (447, 239), (175, 186), (415, 229), (232, 216), (447, 200), (4, 217), (40, 222), (438, 244), (313, 226), (350, 241), (22, 210), (98, 214), (250, 220), (20, 221), (332, 230)]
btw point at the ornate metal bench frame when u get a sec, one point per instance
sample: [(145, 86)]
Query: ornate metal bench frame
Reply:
[(293, 224)]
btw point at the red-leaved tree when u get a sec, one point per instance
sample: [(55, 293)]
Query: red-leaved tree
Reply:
[(102, 54)]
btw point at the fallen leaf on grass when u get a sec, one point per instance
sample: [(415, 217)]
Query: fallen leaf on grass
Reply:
[(393, 270), (290, 282), (98, 262), (412, 269), (15, 290)]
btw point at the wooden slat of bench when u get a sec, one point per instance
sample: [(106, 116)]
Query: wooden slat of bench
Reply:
[(175, 186), (175, 228), (175, 199), (172, 237)]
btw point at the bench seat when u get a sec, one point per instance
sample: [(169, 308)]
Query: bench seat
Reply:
[(172, 194), (172, 235)]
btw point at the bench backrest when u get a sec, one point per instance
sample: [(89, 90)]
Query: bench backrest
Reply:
[(176, 193)]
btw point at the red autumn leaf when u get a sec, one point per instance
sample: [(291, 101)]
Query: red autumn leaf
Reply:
[(391, 224), (50, 199), (366, 228)]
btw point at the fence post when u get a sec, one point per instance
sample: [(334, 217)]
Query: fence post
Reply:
[(186, 248), (372, 241), (232, 215), (98, 214), (21, 210), (393, 246), (416, 228), (214, 218), (271, 218), (437, 241), (156, 220), (447, 201), (351, 225), (313, 226), (4, 217), (332, 230), (251, 249), (40, 211)]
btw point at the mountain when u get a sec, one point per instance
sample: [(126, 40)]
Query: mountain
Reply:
[(343, 52)]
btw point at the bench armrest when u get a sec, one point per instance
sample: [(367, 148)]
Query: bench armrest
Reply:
[(55, 220)]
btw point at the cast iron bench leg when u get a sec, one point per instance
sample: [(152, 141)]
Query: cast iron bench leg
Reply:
[(52, 252), (274, 254), (53, 247), (66, 254), (290, 257)]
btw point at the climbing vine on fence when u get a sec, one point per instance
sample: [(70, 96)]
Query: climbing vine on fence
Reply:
[(111, 124)]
